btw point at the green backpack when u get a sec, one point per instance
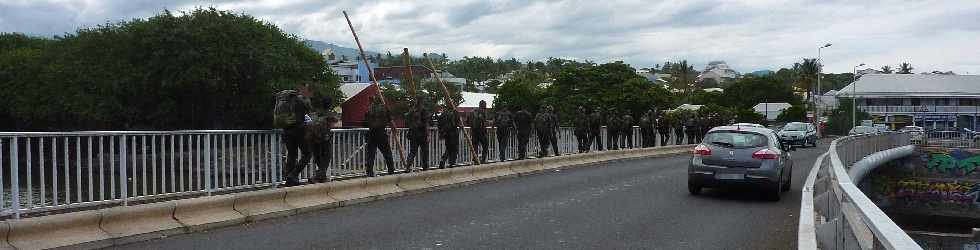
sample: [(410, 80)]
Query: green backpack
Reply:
[(284, 113)]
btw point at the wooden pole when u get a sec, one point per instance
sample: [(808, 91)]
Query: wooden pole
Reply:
[(407, 61), (449, 100), (374, 81)]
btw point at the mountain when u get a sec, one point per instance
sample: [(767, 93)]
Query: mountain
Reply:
[(338, 50)]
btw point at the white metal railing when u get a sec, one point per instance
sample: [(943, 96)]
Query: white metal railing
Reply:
[(947, 139), (51, 171), (835, 213)]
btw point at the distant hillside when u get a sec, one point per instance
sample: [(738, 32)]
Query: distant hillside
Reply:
[(338, 50)]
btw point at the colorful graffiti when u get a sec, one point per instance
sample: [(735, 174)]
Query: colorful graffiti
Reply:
[(956, 162), (961, 194)]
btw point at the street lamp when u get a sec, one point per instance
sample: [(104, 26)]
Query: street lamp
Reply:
[(854, 96), (816, 109)]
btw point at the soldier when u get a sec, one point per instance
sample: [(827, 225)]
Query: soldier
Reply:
[(582, 130), (478, 124), (647, 129), (626, 130), (377, 120), (595, 129), (691, 128), (612, 129), (553, 128), (288, 114), (523, 121), (663, 128), (449, 131), (542, 125), (505, 123), (418, 120), (319, 138), (677, 122)]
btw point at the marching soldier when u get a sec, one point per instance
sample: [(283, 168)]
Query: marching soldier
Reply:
[(418, 134), (553, 128), (677, 122), (691, 128), (663, 128), (449, 131), (505, 123), (612, 129), (626, 130), (595, 129), (377, 120), (582, 130), (523, 121), (542, 125), (478, 124), (319, 138), (647, 129)]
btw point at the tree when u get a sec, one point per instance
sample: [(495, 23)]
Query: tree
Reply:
[(806, 73), (746, 92), (684, 75), (886, 69), (521, 91), (202, 69), (839, 122), (795, 113), (905, 68)]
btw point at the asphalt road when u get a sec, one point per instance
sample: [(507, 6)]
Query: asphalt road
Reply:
[(626, 204)]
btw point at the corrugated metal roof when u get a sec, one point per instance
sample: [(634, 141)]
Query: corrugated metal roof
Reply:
[(915, 85), (772, 106), (351, 89)]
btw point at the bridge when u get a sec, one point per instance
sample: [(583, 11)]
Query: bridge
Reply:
[(217, 189)]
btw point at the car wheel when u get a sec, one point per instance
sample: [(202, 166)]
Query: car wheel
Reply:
[(773, 193), (694, 189), (789, 182)]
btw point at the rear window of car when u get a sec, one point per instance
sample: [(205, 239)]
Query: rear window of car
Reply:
[(736, 139)]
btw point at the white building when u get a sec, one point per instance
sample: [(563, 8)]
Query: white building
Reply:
[(719, 72), (771, 110), (932, 101)]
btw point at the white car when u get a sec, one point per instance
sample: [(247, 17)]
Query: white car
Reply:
[(915, 133), (745, 124)]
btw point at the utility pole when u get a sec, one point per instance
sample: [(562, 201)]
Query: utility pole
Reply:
[(816, 108), (854, 96)]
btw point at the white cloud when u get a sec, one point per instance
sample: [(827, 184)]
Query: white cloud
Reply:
[(750, 35)]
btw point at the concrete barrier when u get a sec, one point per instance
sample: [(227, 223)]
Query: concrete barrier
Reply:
[(521, 167), (198, 214), (440, 178), (503, 169), (141, 222), (263, 204), (349, 192), (4, 230), (484, 171), (414, 182), (383, 187), (311, 197), (464, 175), (77, 229), (538, 164)]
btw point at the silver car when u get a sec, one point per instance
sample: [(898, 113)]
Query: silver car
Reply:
[(741, 157)]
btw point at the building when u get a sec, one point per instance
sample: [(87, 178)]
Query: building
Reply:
[(717, 72), (771, 110), (762, 73), (931, 101), (395, 74), (348, 70), (449, 78)]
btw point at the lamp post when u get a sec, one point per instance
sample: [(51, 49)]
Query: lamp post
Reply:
[(854, 96), (816, 109)]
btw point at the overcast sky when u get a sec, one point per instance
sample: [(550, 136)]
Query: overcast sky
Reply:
[(749, 35)]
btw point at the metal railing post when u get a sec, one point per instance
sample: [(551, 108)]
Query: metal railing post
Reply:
[(207, 164), (123, 179), (276, 157), (14, 178)]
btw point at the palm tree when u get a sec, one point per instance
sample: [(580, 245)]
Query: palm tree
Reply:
[(886, 69), (682, 76), (905, 68)]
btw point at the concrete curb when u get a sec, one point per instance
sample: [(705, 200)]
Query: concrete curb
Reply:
[(521, 167), (440, 178), (199, 214), (263, 204), (383, 187), (77, 230), (485, 171), (141, 222), (414, 182), (349, 192), (503, 169), (4, 231), (307, 198), (463, 175)]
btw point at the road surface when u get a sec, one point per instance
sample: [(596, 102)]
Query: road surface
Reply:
[(640, 203)]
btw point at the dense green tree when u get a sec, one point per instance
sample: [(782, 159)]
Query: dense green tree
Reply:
[(746, 92), (200, 69), (839, 122), (795, 113), (523, 90)]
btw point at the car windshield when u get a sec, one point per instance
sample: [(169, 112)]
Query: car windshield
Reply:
[(795, 127), (735, 139)]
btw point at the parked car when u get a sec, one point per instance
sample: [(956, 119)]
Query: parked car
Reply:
[(745, 124), (798, 133), (860, 130), (916, 133), (741, 157)]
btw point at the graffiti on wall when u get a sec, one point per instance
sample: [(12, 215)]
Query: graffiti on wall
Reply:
[(956, 162), (958, 194)]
